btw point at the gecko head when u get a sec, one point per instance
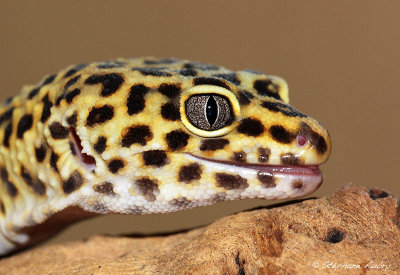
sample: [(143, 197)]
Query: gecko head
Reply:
[(188, 135), (251, 138)]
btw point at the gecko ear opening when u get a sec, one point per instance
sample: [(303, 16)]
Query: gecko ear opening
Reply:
[(86, 160)]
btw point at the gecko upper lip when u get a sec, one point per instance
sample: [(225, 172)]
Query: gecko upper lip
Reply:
[(306, 170)]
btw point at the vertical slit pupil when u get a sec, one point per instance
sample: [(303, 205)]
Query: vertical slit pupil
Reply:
[(211, 110)]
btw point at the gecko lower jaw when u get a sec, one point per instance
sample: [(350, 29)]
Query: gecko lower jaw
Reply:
[(294, 181)]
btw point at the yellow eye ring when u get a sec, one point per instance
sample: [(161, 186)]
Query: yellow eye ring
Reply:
[(209, 89)]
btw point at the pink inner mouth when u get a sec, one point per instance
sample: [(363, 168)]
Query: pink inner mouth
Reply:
[(301, 170)]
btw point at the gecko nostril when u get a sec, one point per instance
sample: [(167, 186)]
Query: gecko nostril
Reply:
[(301, 140)]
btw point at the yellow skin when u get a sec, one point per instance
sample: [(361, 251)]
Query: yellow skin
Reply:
[(146, 135)]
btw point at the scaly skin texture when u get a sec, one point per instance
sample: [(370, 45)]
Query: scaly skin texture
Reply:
[(130, 136)]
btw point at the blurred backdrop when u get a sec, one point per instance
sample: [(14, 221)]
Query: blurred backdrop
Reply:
[(340, 58)]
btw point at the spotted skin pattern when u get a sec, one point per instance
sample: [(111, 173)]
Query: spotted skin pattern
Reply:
[(111, 137)]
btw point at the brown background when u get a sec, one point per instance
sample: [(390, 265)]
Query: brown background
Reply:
[(340, 58)]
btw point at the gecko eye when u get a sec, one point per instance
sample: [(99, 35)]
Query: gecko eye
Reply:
[(208, 110)]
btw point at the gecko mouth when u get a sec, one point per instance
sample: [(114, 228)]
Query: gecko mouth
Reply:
[(306, 170), (292, 180)]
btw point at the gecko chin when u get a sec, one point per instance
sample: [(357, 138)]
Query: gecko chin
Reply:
[(274, 181)]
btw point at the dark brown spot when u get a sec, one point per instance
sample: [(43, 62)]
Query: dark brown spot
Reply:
[(115, 165), (107, 66), (104, 188), (24, 124), (60, 98), (213, 144), (298, 184), (251, 127), (40, 153), (335, 235), (73, 183), (290, 159), (283, 108), (315, 139), (9, 100), (210, 81), (49, 79), (7, 135), (100, 115), (136, 101), (245, 98), (71, 95), (267, 179), (10, 187), (33, 93), (190, 172), (177, 139), (140, 134), (72, 148), (170, 111), (71, 82), (170, 90), (200, 66), (376, 194), (72, 119), (147, 188), (263, 154), (155, 157), (46, 108), (75, 69), (37, 186), (7, 115), (111, 82), (188, 72), (58, 131), (267, 88), (231, 77), (2, 208), (53, 161), (239, 156), (280, 134), (152, 71), (100, 145), (230, 182)]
